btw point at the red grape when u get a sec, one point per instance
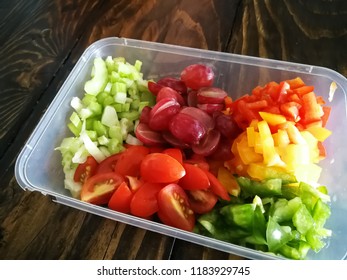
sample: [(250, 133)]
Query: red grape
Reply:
[(211, 95), (162, 112), (196, 76)]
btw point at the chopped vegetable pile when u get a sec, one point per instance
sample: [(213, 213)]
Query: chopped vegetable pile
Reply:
[(182, 152)]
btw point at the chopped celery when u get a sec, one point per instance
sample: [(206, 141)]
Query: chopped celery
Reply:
[(99, 81), (109, 117)]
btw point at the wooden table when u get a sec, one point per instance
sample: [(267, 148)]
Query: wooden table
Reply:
[(41, 40)]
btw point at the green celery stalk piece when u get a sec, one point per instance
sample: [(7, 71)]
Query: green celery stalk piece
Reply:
[(99, 80)]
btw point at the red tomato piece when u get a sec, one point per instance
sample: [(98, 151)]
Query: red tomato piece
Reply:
[(130, 160), (161, 168), (194, 179), (108, 164), (121, 198), (201, 201), (86, 170), (175, 153), (99, 188), (217, 187), (144, 202), (174, 208)]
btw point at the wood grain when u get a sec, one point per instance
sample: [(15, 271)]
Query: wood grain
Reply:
[(311, 32)]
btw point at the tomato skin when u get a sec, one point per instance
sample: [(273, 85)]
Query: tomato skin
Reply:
[(144, 202), (130, 160), (121, 198), (161, 168), (85, 170), (216, 187), (174, 208), (108, 164), (194, 179), (175, 153), (99, 188), (201, 201)]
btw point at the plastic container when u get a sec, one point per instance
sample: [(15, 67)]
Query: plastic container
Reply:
[(38, 167)]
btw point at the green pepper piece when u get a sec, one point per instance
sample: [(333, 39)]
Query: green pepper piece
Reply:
[(277, 235), (241, 215), (321, 212), (283, 210), (303, 220), (270, 187)]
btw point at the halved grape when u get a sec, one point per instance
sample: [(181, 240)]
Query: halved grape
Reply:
[(211, 108), (173, 83), (153, 87), (211, 95), (167, 92), (223, 150), (205, 119), (187, 128), (162, 112), (208, 144), (144, 117), (196, 76), (172, 140), (226, 125), (148, 136)]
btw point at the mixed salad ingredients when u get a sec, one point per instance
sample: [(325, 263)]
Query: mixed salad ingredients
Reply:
[(182, 152)]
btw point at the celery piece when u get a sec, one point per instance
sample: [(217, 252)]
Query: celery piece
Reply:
[(108, 101), (115, 132), (85, 113), (101, 97), (95, 107), (118, 87), (108, 87), (92, 147), (126, 126), (114, 146), (135, 104), (109, 116), (131, 115), (105, 151), (103, 140), (98, 82), (118, 107), (74, 129), (99, 128), (81, 155), (138, 65), (92, 134), (75, 120), (114, 77), (87, 99), (76, 103), (120, 97), (109, 63)]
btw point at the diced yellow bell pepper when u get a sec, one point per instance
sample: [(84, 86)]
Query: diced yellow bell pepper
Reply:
[(321, 133), (294, 134), (308, 173), (281, 138), (246, 153), (250, 136), (270, 155), (295, 155), (312, 143), (273, 119)]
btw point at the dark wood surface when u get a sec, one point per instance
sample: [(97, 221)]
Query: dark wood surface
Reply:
[(40, 42)]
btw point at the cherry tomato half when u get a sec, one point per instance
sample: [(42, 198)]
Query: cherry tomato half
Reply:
[(99, 188), (108, 164), (202, 201), (85, 170), (161, 168), (130, 160), (121, 198), (144, 202), (174, 209), (217, 187), (195, 178)]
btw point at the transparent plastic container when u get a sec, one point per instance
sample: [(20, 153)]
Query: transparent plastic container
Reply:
[(38, 167)]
